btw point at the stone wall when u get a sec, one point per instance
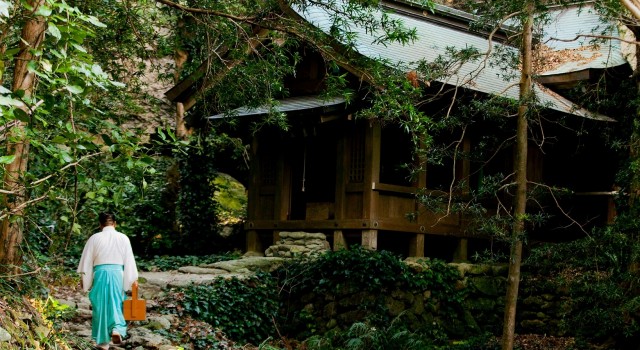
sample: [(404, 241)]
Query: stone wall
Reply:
[(298, 243), (539, 311)]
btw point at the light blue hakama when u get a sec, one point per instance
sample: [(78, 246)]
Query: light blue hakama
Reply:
[(107, 295)]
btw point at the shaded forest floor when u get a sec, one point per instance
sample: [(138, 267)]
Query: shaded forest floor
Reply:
[(165, 330)]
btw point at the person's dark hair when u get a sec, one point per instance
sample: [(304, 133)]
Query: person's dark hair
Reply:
[(107, 219)]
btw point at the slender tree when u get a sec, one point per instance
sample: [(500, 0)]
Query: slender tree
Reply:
[(24, 81), (515, 256)]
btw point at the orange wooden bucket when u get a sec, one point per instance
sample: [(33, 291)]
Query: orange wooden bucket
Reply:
[(135, 309)]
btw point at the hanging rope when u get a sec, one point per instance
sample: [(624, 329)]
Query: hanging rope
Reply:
[(304, 166)]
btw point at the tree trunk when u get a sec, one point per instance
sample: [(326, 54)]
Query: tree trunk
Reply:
[(11, 233), (515, 257), (182, 132)]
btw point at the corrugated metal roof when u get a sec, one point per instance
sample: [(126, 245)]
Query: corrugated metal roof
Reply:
[(432, 42), (291, 104), (561, 33)]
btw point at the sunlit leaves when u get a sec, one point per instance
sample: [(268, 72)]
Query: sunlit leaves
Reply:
[(43, 10), (7, 159), (54, 31)]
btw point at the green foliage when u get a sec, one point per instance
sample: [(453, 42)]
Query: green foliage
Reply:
[(166, 263), (243, 309), (363, 336), (357, 270), (54, 310), (599, 275), (197, 211), (231, 197), (150, 216), (394, 336)]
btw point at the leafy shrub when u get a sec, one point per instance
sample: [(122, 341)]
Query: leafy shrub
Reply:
[(197, 211), (363, 336), (396, 336), (243, 309), (360, 270), (54, 310), (597, 273)]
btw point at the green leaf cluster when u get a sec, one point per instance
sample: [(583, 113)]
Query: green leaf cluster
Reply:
[(360, 270), (243, 309), (599, 275)]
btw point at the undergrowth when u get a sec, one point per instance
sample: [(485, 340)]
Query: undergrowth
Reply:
[(600, 276), (244, 309), (368, 278), (28, 315)]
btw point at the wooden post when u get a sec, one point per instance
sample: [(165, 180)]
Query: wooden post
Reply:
[(371, 177), (342, 170), (253, 242), (282, 197), (416, 249), (338, 240), (461, 253), (421, 217), (276, 237), (370, 239), (254, 182), (611, 209)]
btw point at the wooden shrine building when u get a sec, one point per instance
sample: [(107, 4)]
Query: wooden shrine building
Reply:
[(343, 176)]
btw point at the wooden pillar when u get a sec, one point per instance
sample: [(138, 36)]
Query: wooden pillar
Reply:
[(371, 177), (253, 242), (422, 184), (611, 208), (461, 253), (338, 240), (282, 196), (254, 182), (370, 239), (342, 169), (416, 249), (276, 237)]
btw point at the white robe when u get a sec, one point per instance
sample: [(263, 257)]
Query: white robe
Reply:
[(108, 247)]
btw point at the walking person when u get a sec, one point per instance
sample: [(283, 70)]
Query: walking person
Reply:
[(108, 269)]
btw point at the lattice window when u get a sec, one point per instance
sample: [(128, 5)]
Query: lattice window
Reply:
[(268, 169), (356, 157)]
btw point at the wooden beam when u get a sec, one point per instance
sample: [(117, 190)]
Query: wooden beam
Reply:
[(564, 80), (179, 92), (399, 226), (288, 225), (393, 188), (192, 87)]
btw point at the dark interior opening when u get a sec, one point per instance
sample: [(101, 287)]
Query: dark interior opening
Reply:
[(313, 176), (396, 157)]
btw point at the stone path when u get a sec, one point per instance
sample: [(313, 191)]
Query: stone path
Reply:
[(153, 285)]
